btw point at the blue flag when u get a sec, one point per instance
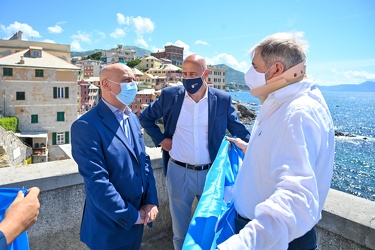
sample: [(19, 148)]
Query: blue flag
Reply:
[(213, 219), (7, 196)]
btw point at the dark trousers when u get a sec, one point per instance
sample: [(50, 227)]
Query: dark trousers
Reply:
[(305, 242)]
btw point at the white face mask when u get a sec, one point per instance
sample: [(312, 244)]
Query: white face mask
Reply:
[(257, 81), (254, 79)]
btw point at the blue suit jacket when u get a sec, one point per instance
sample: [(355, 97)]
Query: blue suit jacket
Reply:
[(221, 116), (114, 174)]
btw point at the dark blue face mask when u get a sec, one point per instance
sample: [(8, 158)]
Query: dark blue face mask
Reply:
[(192, 85)]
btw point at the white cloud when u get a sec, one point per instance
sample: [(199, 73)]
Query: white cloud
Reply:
[(180, 43), (48, 41), (230, 60), (82, 36), (222, 58), (155, 49), (101, 34), (123, 20), (342, 72), (140, 25), (141, 42), (118, 33), (143, 25), (356, 76), (75, 46), (201, 42), (55, 29), (28, 31)]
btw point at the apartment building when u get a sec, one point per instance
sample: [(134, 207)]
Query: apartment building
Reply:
[(171, 72), (40, 89), (142, 100), (89, 68), (217, 77), (88, 94), (171, 52), (149, 62), (16, 44), (117, 55)]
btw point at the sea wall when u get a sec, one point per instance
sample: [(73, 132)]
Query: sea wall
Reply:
[(348, 222)]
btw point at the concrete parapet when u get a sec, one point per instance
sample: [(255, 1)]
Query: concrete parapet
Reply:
[(348, 222)]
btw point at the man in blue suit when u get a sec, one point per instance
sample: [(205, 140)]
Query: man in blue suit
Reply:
[(108, 146), (196, 118)]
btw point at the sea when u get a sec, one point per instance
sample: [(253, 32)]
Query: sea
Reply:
[(353, 114)]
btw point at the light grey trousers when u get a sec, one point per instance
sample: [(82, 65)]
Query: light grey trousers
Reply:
[(184, 185)]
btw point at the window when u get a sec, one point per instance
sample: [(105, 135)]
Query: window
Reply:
[(39, 73), (60, 137), (7, 72), (20, 96), (60, 92), (34, 118), (60, 116), (36, 53)]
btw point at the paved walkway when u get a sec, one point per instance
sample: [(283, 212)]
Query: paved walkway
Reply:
[(163, 241)]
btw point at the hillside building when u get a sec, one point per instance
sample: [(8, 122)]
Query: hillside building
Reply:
[(40, 89), (171, 52), (117, 55), (217, 77)]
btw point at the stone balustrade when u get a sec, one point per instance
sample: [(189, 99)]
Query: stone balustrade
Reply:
[(348, 222)]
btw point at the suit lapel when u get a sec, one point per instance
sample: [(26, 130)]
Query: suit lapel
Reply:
[(212, 101), (110, 121), (133, 130), (176, 109)]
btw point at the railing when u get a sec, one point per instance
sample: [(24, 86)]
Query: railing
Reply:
[(348, 222)]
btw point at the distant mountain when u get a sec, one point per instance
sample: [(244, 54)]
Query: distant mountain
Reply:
[(84, 53), (139, 52), (363, 87), (233, 76), (235, 79)]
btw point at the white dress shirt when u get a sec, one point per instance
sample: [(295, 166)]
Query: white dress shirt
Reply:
[(190, 140), (122, 118), (286, 173)]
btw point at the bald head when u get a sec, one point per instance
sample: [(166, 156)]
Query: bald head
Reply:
[(116, 71), (196, 59), (110, 79)]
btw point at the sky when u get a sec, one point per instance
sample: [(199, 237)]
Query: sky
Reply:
[(340, 33)]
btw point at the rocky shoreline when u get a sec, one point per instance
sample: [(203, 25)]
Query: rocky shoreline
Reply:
[(247, 115)]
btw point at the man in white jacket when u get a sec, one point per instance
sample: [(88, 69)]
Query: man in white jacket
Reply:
[(286, 174)]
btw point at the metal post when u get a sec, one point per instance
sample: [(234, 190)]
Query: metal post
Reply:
[(4, 103)]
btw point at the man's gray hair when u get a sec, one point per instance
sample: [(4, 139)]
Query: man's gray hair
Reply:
[(287, 48)]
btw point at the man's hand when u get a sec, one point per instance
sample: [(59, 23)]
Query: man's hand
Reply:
[(151, 212), (239, 143), (166, 144), (21, 214)]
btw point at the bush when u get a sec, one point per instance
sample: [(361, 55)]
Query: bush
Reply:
[(9, 124)]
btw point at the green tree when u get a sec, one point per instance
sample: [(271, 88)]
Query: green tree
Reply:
[(9, 123), (133, 63), (95, 56)]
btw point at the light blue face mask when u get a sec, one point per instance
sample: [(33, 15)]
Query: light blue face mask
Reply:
[(128, 92)]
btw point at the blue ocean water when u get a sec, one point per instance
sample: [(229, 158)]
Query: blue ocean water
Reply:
[(353, 113)]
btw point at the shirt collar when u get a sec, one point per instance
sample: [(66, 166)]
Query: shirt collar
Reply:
[(204, 97), (114, 109), (283, 94)]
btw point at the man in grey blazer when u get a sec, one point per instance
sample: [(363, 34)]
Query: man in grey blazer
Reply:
[(196, 118), (108, 146)]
